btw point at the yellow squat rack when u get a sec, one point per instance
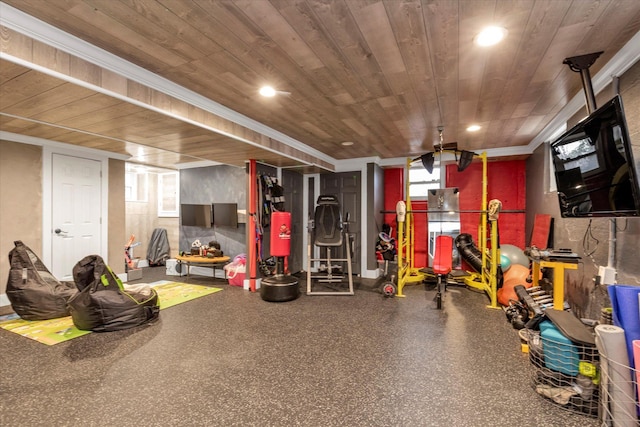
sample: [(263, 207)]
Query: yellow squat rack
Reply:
[(407, 271), (485, 280)]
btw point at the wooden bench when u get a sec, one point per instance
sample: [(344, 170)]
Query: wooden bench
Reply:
[(202, 261)]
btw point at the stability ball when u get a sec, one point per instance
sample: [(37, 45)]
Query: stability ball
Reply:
[(507, 292), (505, 262), (518, 273), (515, 255)]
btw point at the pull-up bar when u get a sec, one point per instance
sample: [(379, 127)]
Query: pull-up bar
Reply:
[(458, 211)]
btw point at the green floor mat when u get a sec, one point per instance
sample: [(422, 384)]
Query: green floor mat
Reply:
[(50, 332), (174, 293), (62, 329)]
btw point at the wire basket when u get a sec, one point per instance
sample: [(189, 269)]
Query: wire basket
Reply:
[(618, 394), (564, 373)]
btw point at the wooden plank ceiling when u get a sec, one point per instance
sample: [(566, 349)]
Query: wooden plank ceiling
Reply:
[(38, 105), (382, 74)]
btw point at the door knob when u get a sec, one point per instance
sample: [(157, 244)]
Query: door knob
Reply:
[(58, 231)]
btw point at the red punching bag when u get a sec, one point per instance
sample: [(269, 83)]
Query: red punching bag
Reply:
[(280, 234), (280, 287)]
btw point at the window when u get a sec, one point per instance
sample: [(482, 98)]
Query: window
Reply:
[(135, 186), (420, 181), (168, 194)]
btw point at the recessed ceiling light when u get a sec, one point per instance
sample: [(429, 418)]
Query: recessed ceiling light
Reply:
[(267, 91), (490, 36), (473, 128), (347, 143)]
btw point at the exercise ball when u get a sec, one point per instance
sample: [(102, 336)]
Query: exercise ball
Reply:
[(507, 292), (517, 272), (515, 281), (505, 262), (515, 255)]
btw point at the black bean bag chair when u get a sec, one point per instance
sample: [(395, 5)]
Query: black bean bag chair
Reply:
[(104, 304), (34, 293)]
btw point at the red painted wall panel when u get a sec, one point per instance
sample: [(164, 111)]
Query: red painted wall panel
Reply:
[(393, 192), (421, 234), (506, 182), (394, 187)]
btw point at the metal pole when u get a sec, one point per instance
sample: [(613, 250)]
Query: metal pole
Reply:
[(588, 90), (251, 246)]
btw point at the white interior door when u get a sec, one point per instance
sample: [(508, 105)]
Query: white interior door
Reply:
[(75, 212)]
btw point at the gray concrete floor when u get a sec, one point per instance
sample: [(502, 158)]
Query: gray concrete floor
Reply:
[(232, 359)]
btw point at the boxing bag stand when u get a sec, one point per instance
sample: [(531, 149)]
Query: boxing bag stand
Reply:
[(281, 286)]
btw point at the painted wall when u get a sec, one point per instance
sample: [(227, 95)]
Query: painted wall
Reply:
[(20, 201), (375, 205), (589, 238), (21, 216), (393, 193), (421, 230), (506, 182), (221, 184), (117, 236), (142, 218)]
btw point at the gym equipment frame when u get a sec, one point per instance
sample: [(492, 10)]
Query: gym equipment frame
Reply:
[(327, 230), (485, 280)]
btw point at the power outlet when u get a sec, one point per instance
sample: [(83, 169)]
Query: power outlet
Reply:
[(607, 275)]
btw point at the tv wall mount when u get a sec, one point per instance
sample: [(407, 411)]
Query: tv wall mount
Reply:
[(581, 64)]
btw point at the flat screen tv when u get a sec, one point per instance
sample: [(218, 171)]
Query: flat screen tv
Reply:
[(195, 215), (594, 167), (225, 214)]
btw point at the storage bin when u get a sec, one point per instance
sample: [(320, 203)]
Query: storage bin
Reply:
[(171, 265), (236, 270), (559, 353), (564, 372), (236, 279)]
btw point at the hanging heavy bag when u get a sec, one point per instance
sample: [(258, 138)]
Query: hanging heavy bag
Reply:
[(34, 293), (104, 304)]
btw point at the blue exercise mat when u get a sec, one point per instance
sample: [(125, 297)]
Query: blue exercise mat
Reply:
[(626, 313)]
